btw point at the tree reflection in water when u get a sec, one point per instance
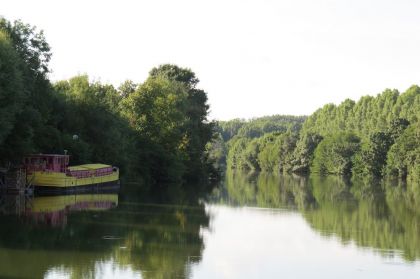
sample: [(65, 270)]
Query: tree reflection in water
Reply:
[(384, 216), (160, 235), (74, 235)]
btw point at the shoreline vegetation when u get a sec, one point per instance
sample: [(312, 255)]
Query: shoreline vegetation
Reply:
[(159, 130), (156, 130), (375, 137)]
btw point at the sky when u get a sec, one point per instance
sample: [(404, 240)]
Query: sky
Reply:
[(253, 57)]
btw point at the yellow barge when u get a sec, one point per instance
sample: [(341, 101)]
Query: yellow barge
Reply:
[(51, 172)]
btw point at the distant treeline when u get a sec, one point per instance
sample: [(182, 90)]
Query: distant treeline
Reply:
[(157, 129), (375, 136)]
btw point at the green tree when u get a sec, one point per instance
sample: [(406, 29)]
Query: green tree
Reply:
[(11, 86), (334, 154), (198, 131), (91, 112), (126, 88), (371, 158), (403, 157), (32, 114)]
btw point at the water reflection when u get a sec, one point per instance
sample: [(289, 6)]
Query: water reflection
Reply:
[(258, 226), (38, 234), (54, 210), (97, 235), (384, 216), (266, 190)]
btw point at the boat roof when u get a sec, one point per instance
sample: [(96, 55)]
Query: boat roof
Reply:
[(88, 167)]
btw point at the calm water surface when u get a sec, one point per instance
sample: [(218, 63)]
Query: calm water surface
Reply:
[(261, 226)]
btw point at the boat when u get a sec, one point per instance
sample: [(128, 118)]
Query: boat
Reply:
[(52, 173)]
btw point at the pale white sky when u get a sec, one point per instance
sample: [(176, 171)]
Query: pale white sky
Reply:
[(253, 57)]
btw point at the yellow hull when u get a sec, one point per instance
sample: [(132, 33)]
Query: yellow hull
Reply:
[(57, 179)]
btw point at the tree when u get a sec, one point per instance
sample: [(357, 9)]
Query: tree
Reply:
[(397, 127), (11, 86), (198, 130), (334, 154), (403, 157), (157, 110), (91, 111), (31, 45), (371, 158), (303, 153), (32, 113), (126, 88)]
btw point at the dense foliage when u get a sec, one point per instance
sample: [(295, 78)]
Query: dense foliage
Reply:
[(375, 136), (264, 143), (157, 129), (334, 153)]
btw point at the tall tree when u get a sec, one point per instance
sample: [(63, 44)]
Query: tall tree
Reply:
[(198, 130), (28, 133), (11, 86)]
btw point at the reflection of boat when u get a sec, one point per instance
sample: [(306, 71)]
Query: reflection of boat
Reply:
[(51, 173), (53, 210), (74, 202)]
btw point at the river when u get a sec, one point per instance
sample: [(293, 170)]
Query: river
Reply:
[(252, 226)]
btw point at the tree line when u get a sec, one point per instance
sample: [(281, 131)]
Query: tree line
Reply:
[(157, 129), (238, 142), (375, 136)]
